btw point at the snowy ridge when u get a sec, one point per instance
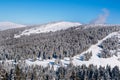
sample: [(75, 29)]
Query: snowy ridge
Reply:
[(99, 25), (9, 25), (95, 60), (48, 27)]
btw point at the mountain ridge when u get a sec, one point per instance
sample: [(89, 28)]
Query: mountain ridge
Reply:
[(45, 28), (10, 25)]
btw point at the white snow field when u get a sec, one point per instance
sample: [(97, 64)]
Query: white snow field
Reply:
[(48, 27)]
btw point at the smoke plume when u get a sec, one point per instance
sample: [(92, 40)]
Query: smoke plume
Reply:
[(101, 19)]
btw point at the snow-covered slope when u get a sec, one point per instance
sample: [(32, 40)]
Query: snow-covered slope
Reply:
[(76, 60), (48, 27), (95, 60), (9, 25), (112, 61)]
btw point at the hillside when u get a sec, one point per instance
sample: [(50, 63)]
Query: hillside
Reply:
[(59, 45)]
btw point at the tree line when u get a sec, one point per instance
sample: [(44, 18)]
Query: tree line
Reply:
[(70, 72)]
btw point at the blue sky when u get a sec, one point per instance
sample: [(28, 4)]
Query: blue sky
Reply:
[(43, 11)]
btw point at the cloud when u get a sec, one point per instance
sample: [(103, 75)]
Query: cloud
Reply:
[(101, 19)]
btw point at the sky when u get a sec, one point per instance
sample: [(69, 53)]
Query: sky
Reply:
[(43, 11)]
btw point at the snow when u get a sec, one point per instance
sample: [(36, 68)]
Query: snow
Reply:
[(48, 27), (9, 25), (95, 60)]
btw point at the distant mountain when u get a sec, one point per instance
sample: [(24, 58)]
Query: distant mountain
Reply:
[(99, 25), (9, 25), (54, 26)]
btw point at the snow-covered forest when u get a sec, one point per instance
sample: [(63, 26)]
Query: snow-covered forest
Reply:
[(80, 52)]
